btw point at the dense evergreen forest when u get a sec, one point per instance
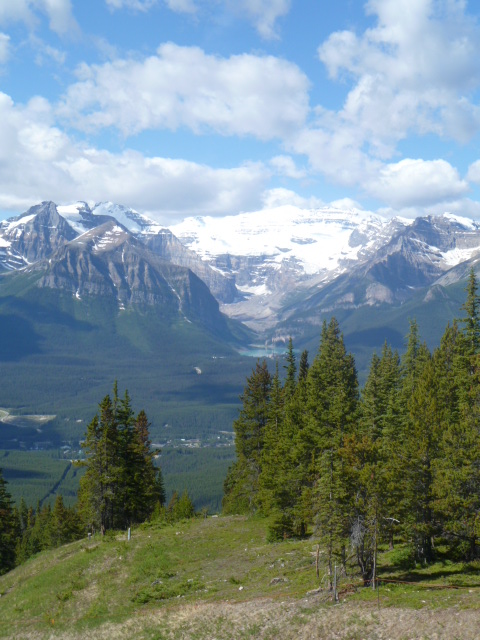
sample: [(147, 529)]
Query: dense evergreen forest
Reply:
[(399, 460)]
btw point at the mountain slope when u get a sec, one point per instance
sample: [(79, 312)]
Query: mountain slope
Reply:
[(102, 306)]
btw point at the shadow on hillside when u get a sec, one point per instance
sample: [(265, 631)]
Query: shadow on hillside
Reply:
[(375, 337), (444, 575), (18, 338), (23, 474)]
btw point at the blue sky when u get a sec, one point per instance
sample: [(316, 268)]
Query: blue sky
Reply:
[(196, 107)]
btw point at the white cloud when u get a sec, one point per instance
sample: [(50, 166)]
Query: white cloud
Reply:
[(58, 12), (413, 72), (417, 182), (45, 52), (473, 174), (4, 48), (336, 153), (279, 197), (163, 187), (242, 95), (40, 162), (285, 166), (346, 204), (264, 14), (464, 207), (179, 6)]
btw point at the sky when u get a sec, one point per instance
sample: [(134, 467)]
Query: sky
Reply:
[(213, 107)]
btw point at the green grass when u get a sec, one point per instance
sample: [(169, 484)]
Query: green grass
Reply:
[(144, 585), (87, 583)]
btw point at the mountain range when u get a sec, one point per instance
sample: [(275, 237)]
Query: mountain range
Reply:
[(93, 292)]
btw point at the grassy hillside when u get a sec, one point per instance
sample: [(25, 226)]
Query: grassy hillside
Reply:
[(218, 578)]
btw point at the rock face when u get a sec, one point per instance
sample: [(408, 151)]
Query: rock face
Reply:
[(107, 261), (33, 236), (167, 246)]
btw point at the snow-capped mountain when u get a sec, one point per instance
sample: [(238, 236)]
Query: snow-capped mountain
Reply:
[(271, 268), (88, 252), (44, 228), (327, 258)]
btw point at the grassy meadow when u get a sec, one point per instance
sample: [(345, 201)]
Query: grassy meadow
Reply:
[(217, 577)]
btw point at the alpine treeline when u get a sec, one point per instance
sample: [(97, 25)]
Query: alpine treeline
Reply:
[(398, 459)]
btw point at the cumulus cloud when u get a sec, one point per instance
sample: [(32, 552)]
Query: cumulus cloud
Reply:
[(417, 182), (473, 174), (464, 207), (414, 73), (58, 12), (41, 162), (279, 197), (265, 96)]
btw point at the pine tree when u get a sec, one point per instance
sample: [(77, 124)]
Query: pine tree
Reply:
[(420, 450), (291, 368), (303, 366), (120, 485), (332, 403), (7, 529), (242, 482), (371, 457), (472, 315), (457, 477)]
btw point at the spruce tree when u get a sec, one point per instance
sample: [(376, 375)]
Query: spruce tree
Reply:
[(120, 485), (332, 403), (291, 369), (420, 450), (457, 477), (7, 528), (242, 483)]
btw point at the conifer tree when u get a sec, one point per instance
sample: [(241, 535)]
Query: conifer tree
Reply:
[(7, 529), (291, 368), (471, 319), (303, 366), (242, 482), (332, 403), (457, 478), (120, 485)]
